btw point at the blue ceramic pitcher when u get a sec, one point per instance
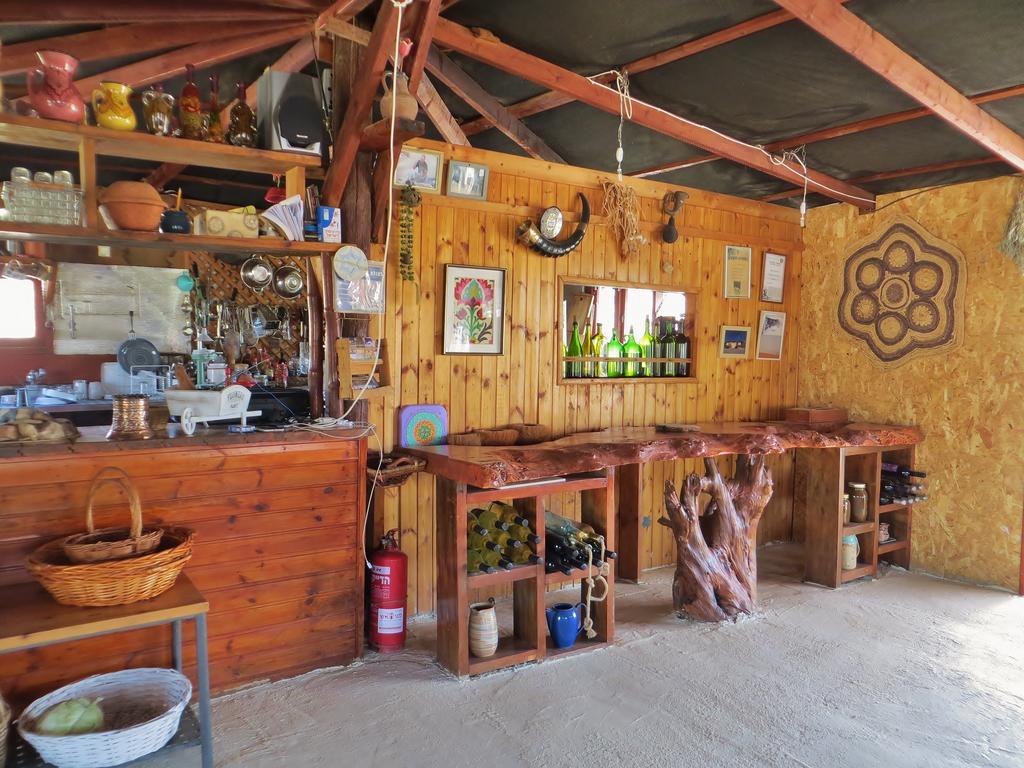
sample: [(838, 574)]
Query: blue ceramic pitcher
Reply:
[(564, 623)]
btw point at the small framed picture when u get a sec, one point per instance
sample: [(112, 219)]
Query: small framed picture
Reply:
[(773, 277), (474, 310), (771, 331), (737, 272), (420, 167), (467, 180), (734, 341)]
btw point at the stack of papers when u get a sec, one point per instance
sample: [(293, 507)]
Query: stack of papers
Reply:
[(287, 216)]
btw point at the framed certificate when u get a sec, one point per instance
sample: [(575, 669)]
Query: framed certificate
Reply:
[(737, 272), (773, 277)]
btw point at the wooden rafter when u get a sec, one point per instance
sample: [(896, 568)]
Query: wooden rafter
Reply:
[(552, 99), (467, 89), (424, 34), (900, 173), (198, 12), (341, 9), (878, 53), (522, 64), (360, 100)]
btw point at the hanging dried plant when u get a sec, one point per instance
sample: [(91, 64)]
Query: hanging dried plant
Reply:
[(1013, 240), (408, 201), (622, 208)]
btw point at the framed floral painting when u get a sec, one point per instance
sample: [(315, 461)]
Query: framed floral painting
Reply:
[(474, 310)]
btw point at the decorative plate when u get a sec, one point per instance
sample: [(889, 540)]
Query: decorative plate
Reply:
[(350, 263), (420, 425)]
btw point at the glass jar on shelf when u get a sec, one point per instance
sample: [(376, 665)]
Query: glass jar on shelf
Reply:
[(858, 502)]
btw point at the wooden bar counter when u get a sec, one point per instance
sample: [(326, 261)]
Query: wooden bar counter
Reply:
[(277, 517)]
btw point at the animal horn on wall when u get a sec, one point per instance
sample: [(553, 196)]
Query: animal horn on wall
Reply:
[(528, 234)]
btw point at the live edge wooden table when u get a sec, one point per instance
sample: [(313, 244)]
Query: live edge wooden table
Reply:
[(605, 467), (30, 618)]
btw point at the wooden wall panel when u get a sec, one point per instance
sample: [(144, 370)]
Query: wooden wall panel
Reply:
[(519, 386), (276, 553)]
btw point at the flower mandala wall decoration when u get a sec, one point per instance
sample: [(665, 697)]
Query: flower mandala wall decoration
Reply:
[(903, 293)]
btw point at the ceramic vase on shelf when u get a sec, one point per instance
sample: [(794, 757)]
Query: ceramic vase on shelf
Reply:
[(158, 111), (242, 125), (483, 629), (211, 115), (111, 108), (564, 623), (406, 107), (190, 107), (51, 87)]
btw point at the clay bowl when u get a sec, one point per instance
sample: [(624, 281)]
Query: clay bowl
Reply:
[(133, 205)]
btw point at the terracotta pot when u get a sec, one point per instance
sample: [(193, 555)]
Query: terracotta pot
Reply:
[(483, 629), (51, 88), (134, 205), (405, 103)]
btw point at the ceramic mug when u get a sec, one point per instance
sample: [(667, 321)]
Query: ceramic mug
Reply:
[(564, 623), (483, 629)]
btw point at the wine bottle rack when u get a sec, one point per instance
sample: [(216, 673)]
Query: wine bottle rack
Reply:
[(827, 473), (529, 639)]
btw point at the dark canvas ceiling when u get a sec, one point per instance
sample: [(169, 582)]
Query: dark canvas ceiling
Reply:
[(771, 85)]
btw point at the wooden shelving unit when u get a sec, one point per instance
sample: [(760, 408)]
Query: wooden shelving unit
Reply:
[(563, 361), (827, 473), (347, 368), (529, 639)]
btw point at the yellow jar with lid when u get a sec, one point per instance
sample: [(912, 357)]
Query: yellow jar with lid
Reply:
[(858, 502)]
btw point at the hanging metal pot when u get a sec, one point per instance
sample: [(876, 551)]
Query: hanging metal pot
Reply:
[(530, 235), (257, 273), (288, 282)]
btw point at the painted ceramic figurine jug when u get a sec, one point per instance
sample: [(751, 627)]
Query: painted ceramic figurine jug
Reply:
[(242, 128), (190, 107), (51, 87), (111, 107), (405, 103), (158, 111)]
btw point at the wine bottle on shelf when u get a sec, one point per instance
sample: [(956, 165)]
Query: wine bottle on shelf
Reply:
[(597, 350), (473, 525), (647, 344), (475, 563), (632, 350), (902, 470), (587, 367), (666, 346), (522, 556), (494, 559), (574, 350), (504, 540), (592, 540), (553, 565), (614, 352), (682, 348), (572, 553), (476, 541), (508, 514), (489, 520), (581, 532), (904, 489)]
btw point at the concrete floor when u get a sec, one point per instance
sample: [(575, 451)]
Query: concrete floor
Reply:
[(902, 671)]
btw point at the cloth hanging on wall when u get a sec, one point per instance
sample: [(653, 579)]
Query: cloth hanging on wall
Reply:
[(903, 293)]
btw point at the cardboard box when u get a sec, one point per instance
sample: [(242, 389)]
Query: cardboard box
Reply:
[(328, 224)]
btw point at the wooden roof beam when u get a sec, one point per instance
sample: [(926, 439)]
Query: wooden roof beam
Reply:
[(552, 99), (467, 89), (424, 35), (878, 53), (553, 77), (199, 12)]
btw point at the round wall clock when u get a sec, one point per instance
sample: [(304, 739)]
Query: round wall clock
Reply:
[(350, 263)]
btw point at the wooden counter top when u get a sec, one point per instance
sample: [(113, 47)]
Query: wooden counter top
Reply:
[(93, 440), (494, 466)]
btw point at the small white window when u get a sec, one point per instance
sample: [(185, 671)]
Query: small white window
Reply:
[(17, 309)]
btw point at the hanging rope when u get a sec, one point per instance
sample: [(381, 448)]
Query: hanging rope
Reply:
[(625, 112), (588, 590)]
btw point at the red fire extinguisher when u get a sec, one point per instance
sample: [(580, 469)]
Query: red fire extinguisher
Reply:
[(388, 566)]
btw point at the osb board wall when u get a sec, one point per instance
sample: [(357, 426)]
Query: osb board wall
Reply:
[(969, 402), (519, 386)]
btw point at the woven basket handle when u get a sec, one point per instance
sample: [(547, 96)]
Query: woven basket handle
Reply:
[(121, 480)]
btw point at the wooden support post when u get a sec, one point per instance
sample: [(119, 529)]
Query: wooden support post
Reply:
[(598, 511), (629, 490), (315, 310), (87, 177), (529, 624), (295, 182), (452, 605)]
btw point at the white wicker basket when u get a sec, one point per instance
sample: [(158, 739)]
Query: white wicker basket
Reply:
[(141, 708)]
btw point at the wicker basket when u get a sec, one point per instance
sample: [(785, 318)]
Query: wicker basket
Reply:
[(112, 543), (141, 712), (389, 471), (5, 722), (114, 582)]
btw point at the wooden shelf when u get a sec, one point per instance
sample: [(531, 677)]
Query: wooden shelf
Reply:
[(511, 651), (855, 528), (862, 570), (582, 645), (502, 576), (577, 575), (139, 145), (377, 136), (56, 233), (886, 508), (893, 546)]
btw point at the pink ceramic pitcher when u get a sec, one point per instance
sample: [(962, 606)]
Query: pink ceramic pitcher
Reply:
[(51, 87)]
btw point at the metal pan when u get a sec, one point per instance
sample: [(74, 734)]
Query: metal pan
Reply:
[(288, 282), (257, 273), (135, 352)]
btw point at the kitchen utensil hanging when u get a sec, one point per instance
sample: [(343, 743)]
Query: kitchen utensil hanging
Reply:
[(257, 273), (136, 352), (288, 282)]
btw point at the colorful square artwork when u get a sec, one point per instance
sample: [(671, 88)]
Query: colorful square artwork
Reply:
[(420, 425), (474, 310)]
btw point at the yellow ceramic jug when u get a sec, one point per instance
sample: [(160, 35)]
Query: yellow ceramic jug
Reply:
[(110, 104)]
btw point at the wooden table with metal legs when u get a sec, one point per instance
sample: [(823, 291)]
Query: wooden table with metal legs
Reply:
[(30, 618)]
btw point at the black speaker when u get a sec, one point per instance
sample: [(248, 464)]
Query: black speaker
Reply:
[(290, 116)]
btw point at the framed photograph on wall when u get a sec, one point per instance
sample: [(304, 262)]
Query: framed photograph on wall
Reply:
[(737, 272), (467, 180), (474, 310), (420, 167), (734, 341), (773, 277), (771, 331)]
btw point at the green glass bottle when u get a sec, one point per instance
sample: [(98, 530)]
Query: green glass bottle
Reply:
[(574, 350), (667, 345), (614, 352), (495, 559), (682, 347), (488, 519), (647, 344), (475, 562), (522, 556), (588, 367), (505, 541), (478, 542), (631, 349), (597, 350)]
